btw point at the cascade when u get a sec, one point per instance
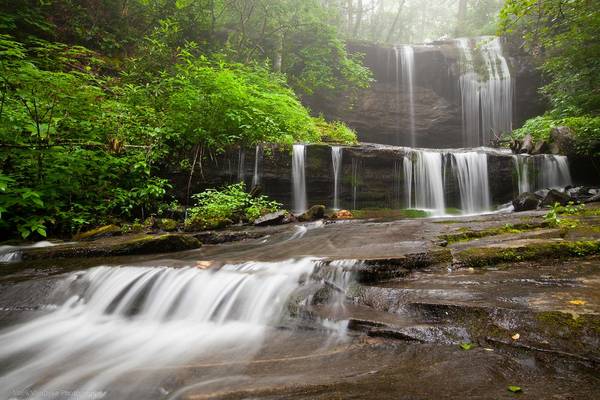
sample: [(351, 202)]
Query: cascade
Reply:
[(124, 320), (299, 178), (396, 201), (408, 80), (398, 90), (428, 182), (336, 160), (407, 165), (486, 100), (544, 171), (471, 170), (258, 153), (553, 172)]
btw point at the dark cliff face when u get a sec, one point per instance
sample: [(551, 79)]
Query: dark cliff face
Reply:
[(380, 114), (373, 172)]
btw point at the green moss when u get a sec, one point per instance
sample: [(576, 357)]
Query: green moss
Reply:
[(565, 324), (389, 213), (167, 224), (483, 256), (103, 231), (466, 234)]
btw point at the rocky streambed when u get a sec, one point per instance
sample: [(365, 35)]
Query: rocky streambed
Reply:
[(415, 309)]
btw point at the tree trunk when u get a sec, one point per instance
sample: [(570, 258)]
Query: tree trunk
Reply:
[(396, 20)]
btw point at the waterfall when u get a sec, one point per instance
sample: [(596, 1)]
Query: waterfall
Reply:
[(117, 326), (408, 79), (471, 170), (429, 185), (407, 165), (336, 160), (521, 164), (544, 171), (486, 100), (299, 178), (257, 160), (553, 172), (12, 254), (241, 165), (398, 97)]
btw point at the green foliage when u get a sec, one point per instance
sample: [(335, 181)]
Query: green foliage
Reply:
[(514, 389), (335, 132), (552, 217), (467, 346), (586, 131), (563, 37), (219, 208)]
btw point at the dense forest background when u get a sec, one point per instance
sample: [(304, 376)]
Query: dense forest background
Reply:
[(97, 97)]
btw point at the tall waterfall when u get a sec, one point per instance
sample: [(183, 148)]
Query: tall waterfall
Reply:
[(299, 178), (408, 79), (258, 154), (471, 170), (544, 171), (486, 100), (336, 160), (355, 181), (429, 185), (126, 323), (407, 166)]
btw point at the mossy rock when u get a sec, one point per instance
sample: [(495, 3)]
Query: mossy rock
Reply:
[(167, 243), (103, 231), (526, 251), (166, 224), (314, 213), (198, 223)]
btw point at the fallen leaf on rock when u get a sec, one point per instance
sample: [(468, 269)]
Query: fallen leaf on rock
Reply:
[(467, 346), (578, 302), (516, 336), (515, 389), (203, 264)]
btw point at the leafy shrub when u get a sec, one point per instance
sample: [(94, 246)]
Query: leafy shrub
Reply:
[(219, 208), (335, 132)]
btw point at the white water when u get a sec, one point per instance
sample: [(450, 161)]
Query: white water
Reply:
[(257, 159), (471, 170), (299, 178), (428, 182), (355, 181), (407, 165), (542, 172), (408, 79), (336, 160), (127, 323), (10, 254), (486, 100)]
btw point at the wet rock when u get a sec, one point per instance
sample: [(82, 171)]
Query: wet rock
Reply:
[(103, 231), (554, 196), (134, 245), (314, 213), (526, 145), (526, 202), (593, 199), (166, 224), (276, 218), (220, 237), (562, 140), (541, 147)]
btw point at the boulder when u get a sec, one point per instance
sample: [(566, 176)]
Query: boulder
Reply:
[(554, 196), (343, 214), (276, 218), (541, 147), (526, 202), (527, 145), (562, 140), (103, 231), (314, 213), (594, 199)]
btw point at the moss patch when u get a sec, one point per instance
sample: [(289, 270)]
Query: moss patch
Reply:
[(466, 234), (483, 256), (389, 213)]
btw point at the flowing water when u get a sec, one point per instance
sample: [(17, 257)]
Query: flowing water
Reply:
[(258, 154), (299, 178), (428, 182), (544, 171), (408, 80), (356, 167), (336, 160), (486, 99), (471, 170), (241, 165), (407, 166), (11, 254), (118, 326)]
